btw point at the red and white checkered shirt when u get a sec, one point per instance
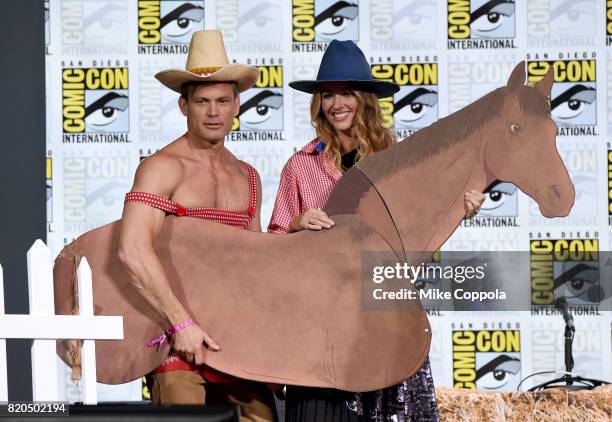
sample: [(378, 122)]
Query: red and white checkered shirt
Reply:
[(305, 182)]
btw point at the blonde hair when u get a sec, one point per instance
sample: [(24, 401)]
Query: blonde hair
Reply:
[(367, 124)]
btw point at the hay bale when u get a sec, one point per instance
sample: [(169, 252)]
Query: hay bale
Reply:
[(461, 405)]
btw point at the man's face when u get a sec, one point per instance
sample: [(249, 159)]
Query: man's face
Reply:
[(210, 110)]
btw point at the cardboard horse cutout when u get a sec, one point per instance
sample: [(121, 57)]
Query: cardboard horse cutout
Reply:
[(287, 308)]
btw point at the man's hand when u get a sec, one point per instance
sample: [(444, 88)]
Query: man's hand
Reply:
[(190, 341), (311, 219), (473, 201)]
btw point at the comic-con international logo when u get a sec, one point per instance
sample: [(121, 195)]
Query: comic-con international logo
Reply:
[(415, 105), (93, 26), (245, 23), (166, 26), (94, 186), (487, 359), (500, 208), (573, 99), (566, 268), (481, 24), (562, 23), (159, 119), (260, 117), (400, 24), (316, 22), (547, 348), (95, 104)]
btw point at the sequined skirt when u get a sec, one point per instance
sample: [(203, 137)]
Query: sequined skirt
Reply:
[(411, 400)]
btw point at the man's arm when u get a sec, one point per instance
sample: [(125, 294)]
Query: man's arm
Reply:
[(140, 226)]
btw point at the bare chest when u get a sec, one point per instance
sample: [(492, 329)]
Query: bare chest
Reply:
[(227, 188)]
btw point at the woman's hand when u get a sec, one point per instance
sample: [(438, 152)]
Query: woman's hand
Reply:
[(311, 219), (473, 201)]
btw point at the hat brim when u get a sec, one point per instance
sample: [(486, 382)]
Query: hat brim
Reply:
[(244, 76), (382, 89)]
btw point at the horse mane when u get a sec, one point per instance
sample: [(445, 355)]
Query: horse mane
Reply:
[(451, 130)]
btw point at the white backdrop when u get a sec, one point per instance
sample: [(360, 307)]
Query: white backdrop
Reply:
[(105, 112)]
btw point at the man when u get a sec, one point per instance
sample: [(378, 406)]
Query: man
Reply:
[(196, 170)]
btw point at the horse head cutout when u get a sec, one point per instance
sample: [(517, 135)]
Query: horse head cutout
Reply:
[(523, 151), (506, 135)]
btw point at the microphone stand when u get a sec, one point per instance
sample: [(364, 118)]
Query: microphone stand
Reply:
[(568, 379)]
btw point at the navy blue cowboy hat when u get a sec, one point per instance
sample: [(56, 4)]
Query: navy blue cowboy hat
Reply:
[(343, 61)]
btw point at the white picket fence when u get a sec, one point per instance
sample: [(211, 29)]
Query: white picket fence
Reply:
[(44, 328)]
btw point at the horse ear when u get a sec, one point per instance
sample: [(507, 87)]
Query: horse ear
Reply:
[(544, 85), (517, 77)]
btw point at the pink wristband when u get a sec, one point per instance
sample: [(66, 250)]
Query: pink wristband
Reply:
[(161, 339)]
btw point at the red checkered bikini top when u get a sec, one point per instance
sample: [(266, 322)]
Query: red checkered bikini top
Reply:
[(240, 219)]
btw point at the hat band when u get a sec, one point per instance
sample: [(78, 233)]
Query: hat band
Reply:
[(204, 71)]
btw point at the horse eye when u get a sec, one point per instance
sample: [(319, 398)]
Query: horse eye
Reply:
[(514, 128)]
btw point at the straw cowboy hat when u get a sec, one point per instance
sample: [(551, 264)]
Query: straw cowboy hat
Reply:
[(343, 61), (207, 62)]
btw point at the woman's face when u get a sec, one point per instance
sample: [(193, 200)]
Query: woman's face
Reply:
[(339, 105)]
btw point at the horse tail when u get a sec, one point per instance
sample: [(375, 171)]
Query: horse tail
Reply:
[(66, 290)]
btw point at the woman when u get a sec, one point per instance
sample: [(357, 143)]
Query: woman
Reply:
[(346, 115)]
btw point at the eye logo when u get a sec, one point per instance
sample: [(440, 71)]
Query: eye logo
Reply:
[(415, 105), (259, 20), (261, 111), (570, 104), (337, 21), (261, 107), (104, 197), (561, 18), (95, 100), (501, 200), (578, 283), (417, 17), (566, 269), (105, 22), (572, 17), (487, 359), (249, 21), (574, 92), (494, 19), (325, 20), (104, 111), (481, 19), (410, 110), (94, 22), (403, 19), (169, 21), (496, 373)]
